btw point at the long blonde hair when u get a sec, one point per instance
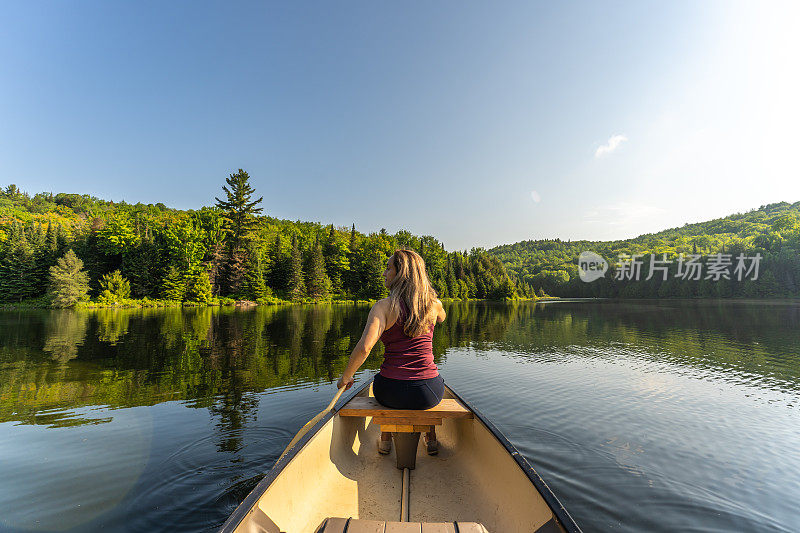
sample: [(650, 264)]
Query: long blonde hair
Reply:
[(411, 283)]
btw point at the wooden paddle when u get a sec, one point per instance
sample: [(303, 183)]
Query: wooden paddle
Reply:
[(313, 421)]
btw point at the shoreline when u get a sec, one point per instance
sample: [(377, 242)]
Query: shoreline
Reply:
[(146, 303)]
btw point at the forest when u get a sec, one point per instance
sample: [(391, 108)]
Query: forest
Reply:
[(772, 231), (64, 250)]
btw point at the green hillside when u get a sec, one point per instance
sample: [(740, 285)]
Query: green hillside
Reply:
[(215, 254), (209, 256), (773, 231)]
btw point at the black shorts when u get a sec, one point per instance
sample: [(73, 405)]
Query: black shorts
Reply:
[(408, 393)]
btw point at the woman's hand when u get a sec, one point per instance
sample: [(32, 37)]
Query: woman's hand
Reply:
[(346, 383)]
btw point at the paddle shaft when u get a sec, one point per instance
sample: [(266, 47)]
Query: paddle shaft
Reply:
[(311, 422)]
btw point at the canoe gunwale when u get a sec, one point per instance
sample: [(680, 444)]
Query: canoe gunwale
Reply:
[(241, 512), (565, 520), (243, 509)]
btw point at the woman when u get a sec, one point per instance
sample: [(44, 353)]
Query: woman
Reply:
[(404, 322)]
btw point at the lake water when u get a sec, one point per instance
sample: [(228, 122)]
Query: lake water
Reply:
[(641, 416)]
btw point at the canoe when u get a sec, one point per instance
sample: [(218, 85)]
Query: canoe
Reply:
[(333, 479)]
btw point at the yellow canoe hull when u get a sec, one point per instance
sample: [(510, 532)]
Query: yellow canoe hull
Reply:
[(335, 471)]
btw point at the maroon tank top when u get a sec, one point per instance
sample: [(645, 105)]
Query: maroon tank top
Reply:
[(407, 357)]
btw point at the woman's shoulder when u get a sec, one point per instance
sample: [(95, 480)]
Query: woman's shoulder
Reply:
[(384, 306), (440, 313), (386, 303)]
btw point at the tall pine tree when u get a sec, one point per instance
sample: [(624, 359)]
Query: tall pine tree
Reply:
[(239, 219), (350, 281), (318, 284), (239, 208), (200, 288), (19, 277), (174, 287), (253, 286), (336, 264), (278, 275), (297, 286)]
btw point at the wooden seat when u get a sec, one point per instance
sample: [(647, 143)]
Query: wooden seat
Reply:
[(352, 525), (404, 420)]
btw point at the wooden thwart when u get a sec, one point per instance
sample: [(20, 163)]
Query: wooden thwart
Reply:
[(369, 406), (405, 424)]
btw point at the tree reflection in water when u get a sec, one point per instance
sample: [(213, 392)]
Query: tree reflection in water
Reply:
[(219, 357)]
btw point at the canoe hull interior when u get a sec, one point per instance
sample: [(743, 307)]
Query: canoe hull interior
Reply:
[(338, 473)]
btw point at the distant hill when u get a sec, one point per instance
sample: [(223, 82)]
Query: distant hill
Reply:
[(773, 230)]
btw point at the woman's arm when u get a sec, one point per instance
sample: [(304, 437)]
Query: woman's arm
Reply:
[(442, 315), (376, 323)]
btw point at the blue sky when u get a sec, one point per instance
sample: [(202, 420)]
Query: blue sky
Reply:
[(478, 123)]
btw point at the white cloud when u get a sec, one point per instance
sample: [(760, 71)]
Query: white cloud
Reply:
[(535, 197), (611, 145)]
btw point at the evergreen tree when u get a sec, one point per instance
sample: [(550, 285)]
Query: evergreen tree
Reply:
[(235, 271), (173, 287), (42, 260), (375, 286), (200, 289), (505, 289), (19, 276), (350, 280), (61, 239), (331, 254), (142, 266), (239, 220), (463, 290), (768, 286), (37, 238), (216, 267), (278, 273), (472, 288), (95, 262), (51, 242), (450, 279), (253, 286), (114, 287), (371, 264), (238, 207), (69, 283), (318, 284), (336, 262), (296, 287)]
